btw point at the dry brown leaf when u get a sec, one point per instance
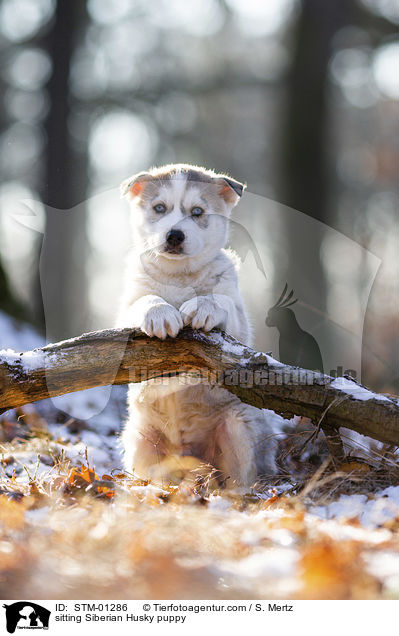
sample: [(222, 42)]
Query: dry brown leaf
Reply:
[(81, 476), (354, 466), (333, 570), (12, 513)]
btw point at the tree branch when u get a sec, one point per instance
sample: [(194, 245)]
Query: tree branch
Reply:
[(124, 355)]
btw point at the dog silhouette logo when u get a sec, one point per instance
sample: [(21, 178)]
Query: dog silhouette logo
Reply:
[(26, 615)]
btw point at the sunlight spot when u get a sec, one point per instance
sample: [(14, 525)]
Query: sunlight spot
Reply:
[(21, 19), (110, 11), (386, 69), (120, 143), (350, 67), (20, 145), (29, 69), (258, 17), (198, 18), (386, 8), (30, 107)]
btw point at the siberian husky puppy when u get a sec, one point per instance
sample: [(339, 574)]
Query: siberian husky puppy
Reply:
[(180, 274)]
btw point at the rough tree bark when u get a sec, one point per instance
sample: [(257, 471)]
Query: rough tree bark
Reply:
[(122, 356)]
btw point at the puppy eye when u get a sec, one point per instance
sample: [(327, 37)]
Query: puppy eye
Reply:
[(159, 208), (197, 211)]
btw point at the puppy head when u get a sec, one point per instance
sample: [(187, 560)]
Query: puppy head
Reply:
[(180, 211)]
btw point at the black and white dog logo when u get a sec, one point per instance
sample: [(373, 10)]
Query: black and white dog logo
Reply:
[(26, 615)]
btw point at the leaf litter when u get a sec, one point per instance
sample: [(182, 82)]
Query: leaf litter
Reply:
[(74, 523)]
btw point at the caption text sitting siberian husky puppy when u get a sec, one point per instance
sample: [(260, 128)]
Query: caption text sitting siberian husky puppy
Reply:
[(179, 274)]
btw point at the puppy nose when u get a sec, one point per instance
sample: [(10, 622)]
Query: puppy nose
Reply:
[(175, 237)]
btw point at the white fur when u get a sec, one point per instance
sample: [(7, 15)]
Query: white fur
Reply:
[(163, 293)]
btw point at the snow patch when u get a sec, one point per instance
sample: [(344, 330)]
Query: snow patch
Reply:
[(272, 361), (359, 392), (83, 405), (7, 352), (370, 512), (385, 565), (37, 515), (238, 349), (276, 562)]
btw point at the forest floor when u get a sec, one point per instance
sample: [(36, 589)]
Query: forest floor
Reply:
[(74, 524)]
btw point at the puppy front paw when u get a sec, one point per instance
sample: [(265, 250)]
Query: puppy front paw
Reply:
[(162, 320), (204, 313)]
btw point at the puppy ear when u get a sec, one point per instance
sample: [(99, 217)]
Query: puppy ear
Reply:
[(231, 190), (132, 186)]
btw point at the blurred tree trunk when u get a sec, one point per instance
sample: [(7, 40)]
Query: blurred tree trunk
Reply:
[(305, 168), (7, 301), (62, 267), (305, 173)]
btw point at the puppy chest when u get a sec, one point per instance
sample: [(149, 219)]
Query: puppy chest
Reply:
[(178, 288)]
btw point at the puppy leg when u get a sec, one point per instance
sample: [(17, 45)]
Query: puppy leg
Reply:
[(141, 454), (237, 453), (143, 446), (247, 443), (145, 457)]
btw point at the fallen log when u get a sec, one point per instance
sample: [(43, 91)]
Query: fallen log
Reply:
[(122, 356)]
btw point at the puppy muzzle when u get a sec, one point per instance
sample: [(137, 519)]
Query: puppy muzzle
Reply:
[(174, 242)]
